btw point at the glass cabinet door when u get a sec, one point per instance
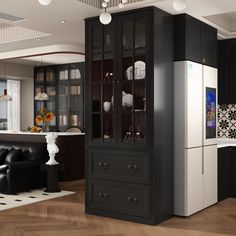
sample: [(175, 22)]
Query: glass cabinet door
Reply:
[(76, 97), (102, 77), (133, 79), (63, 99)]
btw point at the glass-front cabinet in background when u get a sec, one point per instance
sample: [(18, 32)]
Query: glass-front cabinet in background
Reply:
[(45, 81), (64, 86), (118, 82)]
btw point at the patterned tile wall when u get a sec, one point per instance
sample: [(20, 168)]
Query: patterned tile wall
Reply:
[(227, 121)]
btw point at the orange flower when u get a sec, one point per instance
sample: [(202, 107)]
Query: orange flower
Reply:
[(35, 129), (49, 116), (38, 119), (43, 111)]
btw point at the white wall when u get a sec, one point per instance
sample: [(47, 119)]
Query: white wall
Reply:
[(27, 103)]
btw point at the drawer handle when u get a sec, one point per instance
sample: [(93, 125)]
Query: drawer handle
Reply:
[(133, 167), (103, 165), (134, 200), (104, 196)]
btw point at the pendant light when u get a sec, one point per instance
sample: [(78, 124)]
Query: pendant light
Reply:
[(44, 2), (105, 17), (41, 96), (5, 97), (179, 5)]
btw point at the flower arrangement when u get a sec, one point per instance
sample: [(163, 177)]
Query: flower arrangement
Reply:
[(44, 117)]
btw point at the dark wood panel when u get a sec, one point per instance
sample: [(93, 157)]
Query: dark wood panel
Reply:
[(119, 165), (224, 173), (120, 198)]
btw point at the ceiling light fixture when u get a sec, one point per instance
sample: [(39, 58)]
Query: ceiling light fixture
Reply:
[(105, 17), (179, 5), (44, 2), (63, 21)]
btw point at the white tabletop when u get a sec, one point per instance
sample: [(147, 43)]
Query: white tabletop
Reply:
[(41, 133)]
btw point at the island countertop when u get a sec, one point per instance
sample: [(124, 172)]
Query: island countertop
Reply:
[(40, 133), (226, 142)]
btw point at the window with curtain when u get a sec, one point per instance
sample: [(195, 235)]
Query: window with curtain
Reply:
[(13, 111), (3, 108)]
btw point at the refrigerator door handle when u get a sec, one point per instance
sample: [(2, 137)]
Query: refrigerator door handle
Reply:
[(202, 162)]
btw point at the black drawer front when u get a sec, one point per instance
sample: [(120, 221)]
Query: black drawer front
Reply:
[(119, 198), (121, 166)]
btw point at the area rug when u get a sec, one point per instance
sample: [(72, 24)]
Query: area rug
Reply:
[(8, 201)]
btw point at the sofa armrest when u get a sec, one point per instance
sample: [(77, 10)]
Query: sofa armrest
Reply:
[(4, 168), (24, 164)]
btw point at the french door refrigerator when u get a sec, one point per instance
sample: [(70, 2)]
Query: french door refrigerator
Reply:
[(195, 137)]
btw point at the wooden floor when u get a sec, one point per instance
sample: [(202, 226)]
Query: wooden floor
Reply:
[(65, 217)]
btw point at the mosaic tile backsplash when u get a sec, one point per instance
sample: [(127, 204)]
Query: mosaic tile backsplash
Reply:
[(227, 121)]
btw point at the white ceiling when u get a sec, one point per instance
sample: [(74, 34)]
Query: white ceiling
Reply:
[(46, 19)]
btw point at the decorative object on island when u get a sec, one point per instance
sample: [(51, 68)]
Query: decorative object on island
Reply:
[(34, 129), (52, 166), (44, 117), (52, 148)]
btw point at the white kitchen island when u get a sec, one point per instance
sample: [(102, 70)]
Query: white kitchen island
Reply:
[(70, 156)]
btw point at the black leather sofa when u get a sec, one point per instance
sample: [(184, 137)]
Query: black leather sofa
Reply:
[(20, 164)]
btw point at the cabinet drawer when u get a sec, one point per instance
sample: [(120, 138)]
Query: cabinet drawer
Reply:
[(120, 198), (122, 166)]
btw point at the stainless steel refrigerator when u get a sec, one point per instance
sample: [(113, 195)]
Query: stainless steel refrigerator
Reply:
[(195, 137)]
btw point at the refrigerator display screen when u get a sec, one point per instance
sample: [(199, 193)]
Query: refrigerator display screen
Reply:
[(210, 113)]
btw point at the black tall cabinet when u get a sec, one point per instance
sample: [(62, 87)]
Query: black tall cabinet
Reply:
[(129, 119)]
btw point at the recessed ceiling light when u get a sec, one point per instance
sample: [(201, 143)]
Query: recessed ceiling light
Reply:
[(63, 21)]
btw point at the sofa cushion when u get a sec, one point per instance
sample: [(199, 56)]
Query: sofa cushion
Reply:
[(13, 155), (3, 153)]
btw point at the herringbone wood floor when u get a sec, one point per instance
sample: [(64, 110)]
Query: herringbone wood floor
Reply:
[(65, 217)]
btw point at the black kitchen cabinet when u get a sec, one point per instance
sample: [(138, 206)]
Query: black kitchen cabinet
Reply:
[(224, 173), (64, 85), (129, 116), (226, 71), (194, 41)]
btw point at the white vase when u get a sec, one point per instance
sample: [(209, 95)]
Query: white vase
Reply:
[(107, 106)]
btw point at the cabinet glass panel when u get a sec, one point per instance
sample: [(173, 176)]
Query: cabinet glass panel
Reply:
[(96, 126), (140, 32), (139, 126), (127, 127), (108, 67), (97, 38), (127, 34), (63, 105), (96, 98), (108, 37), (97, 68), (107, 127), (127, 65), (50, 76), (40, 76)]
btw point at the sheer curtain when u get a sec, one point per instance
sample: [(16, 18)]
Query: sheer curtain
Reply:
[(13, 111)]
